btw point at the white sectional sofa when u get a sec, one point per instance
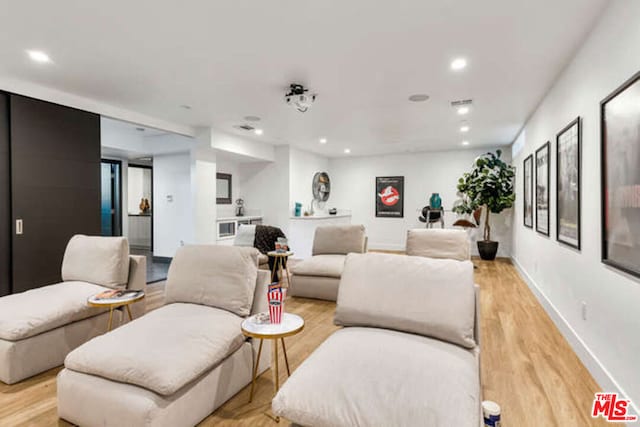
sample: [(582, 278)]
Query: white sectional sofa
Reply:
[(39, 327), (177, 364), (408, 354), (319, 276)]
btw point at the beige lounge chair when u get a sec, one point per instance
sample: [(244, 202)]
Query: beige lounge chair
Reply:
[(439, 243), (319, 276), (408, 354), (39, 327), (177, 364)]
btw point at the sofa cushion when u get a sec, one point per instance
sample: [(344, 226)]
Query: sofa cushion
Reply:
[(95, 259), (431, 297), (263, 259), (339, 239), (376, 377), (439, 243), (217, 276), (320, 265), (163, 350), (40, 310)]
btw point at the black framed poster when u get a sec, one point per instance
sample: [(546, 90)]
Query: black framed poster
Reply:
[(390, 196), (528, 193), (542, 189), (568, 184), (620, 157)]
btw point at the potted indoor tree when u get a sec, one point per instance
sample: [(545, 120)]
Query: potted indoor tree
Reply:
[(489, 186)]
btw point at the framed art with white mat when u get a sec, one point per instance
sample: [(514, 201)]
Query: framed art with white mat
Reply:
[(542, 188), (620, 168), (568, 176)]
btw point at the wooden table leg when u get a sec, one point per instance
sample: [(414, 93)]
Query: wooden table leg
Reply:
[(129, 312), (110, 318), (276, 378), (255, 371), (288, 275), (273, 271), (280, 272), (286, 359)]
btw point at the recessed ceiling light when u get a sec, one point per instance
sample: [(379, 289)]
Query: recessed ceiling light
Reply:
[(463, 110), (252, 118), (347, 150), (418, 97), (458, 64), (323, 140), (464, 128), (38, 56), (258, 131), (465, 142), (186, 107)]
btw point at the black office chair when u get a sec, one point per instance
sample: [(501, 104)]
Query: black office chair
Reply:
[(431, 216)]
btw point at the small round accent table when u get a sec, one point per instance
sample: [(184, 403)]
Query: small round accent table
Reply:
[(291, 325), (279, 265), (117, 302)]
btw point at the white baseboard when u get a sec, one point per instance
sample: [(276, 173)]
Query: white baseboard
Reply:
[(599, 372)]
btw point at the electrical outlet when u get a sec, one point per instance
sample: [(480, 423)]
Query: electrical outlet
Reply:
[(584, 310)]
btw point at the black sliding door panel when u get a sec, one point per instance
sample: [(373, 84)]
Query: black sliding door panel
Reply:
[(55, 169), (5, 198)]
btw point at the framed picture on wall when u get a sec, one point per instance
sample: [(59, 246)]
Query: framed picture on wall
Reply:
[(620, 168), (568, 184), (542, 188), (528, 193), (390, 196)]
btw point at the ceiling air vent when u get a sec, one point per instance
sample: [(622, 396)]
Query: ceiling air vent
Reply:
[(245, 127), (462, 102)]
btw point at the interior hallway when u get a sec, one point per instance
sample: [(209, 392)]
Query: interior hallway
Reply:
[(527, 366)]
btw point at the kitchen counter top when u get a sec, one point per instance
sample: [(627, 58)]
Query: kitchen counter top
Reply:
[(239, 218), (340, 214)]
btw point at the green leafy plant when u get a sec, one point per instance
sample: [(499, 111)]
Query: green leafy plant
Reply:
[(489, 185)]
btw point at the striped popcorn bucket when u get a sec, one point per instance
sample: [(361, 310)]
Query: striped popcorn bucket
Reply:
[(276, 305)]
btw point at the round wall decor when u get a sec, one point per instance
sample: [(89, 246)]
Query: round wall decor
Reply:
[(321, 187)]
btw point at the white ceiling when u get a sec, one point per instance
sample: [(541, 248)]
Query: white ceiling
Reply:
[(229, 59)]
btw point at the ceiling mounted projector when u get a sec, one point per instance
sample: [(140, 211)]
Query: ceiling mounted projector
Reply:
[(298, 98)]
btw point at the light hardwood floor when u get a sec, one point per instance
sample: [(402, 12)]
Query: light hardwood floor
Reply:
[(527, 366)]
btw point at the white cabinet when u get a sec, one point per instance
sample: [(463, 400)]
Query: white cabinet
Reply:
[(227, 227), (140, 231)]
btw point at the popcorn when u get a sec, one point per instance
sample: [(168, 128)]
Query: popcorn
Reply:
[(276, 296)]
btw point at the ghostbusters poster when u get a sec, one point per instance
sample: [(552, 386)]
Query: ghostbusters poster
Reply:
[(390, 197)]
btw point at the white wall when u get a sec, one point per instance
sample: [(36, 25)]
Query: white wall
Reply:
[(234, 168), (203, 196), (266, 187), (353, 187), (608, 341), (304, 165), (173, 220), (56, 96), (237, 145)]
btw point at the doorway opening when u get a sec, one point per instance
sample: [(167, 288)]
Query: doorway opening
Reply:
[(140, 207), (111, 202)]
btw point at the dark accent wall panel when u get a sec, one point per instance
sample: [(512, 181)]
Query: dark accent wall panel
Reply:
[(5, 198), (55, 173)]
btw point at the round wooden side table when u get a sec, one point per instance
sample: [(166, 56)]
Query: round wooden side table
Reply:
[(279, 265), (114, 303), (291, 325)]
